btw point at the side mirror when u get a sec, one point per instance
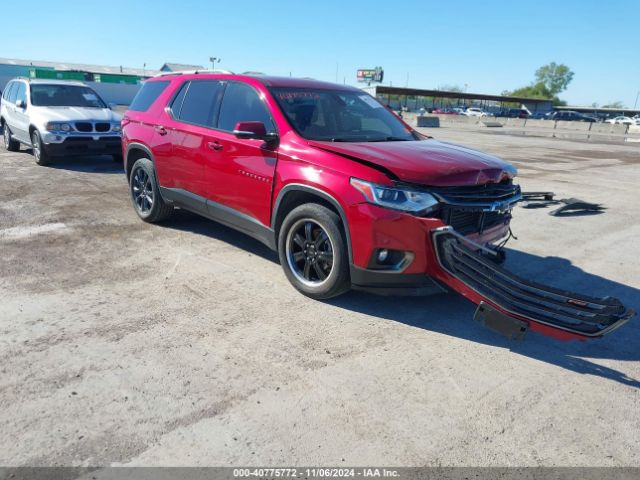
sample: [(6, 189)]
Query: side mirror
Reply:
[(249, 130), (112, 106), (254, 130), (20, 104)]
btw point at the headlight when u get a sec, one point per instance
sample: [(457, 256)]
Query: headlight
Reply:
[(115, 127), (58, 127), (396, 198)]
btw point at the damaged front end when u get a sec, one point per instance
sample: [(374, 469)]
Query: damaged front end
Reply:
[(510, 305)]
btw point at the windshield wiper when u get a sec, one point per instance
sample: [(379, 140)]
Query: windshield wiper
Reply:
[(389, 139)]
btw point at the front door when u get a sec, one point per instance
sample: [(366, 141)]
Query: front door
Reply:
[(240, 173)]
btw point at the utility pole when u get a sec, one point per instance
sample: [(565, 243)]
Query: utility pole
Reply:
[(636, 102), (336, 72), (213, 61)]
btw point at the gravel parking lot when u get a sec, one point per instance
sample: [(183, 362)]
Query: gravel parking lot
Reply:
[(184, 344)]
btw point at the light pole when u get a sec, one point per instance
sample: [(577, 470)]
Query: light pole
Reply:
[(213, 61), (636, 102)]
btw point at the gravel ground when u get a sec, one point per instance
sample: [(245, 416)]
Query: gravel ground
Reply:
[(183, 344)]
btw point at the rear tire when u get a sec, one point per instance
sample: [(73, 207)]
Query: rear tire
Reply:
[(145, 193), (313, 252), (39, 153), (10, 144)]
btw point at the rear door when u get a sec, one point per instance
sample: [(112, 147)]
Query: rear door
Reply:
[(240, 172), (190, 118)]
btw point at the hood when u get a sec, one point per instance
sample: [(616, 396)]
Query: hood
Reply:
[(426, 162), (62, 114)]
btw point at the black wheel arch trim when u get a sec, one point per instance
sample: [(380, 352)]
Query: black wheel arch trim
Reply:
[(135, 146), (300, 187)]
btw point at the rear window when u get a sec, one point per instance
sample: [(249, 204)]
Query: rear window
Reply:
[(5, 93), (199, 103), (148, 94), (11, 96)]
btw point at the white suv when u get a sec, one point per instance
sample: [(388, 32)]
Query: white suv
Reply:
[(57, 117)]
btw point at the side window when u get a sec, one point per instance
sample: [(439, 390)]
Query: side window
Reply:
[(176, 104), (148, 94), (21, 92), (12, 93), (7, 89), (199, 103), (241, 103)]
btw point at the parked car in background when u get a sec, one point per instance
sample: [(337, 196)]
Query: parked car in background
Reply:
[(539, 116), (571, 116), (444, 111), (345, 192), (621, 120), (513, 113), (474, 112), (56, 118)]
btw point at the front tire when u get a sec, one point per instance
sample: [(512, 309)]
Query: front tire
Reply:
[(145, 193), (10, 144), (313, 252), (39, 153)]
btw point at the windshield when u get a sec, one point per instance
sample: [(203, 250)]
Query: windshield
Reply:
[(43, 95), (339, 116)]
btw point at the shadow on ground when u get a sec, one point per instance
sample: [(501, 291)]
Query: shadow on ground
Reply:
[(451, 314), (86, 164)]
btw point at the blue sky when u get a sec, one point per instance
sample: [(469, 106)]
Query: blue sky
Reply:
[(490, 45)]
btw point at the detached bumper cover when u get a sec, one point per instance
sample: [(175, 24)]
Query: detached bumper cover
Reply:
[(521, 300)]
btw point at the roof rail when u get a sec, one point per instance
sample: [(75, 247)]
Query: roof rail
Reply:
[(192, 72)]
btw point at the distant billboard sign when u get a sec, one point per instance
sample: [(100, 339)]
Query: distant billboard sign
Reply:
[(370, 75)]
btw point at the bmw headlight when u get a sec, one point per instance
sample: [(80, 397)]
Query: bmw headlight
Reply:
[(396, 198), (115, 127), (58, 127)]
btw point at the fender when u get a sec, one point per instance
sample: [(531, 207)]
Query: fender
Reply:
[(139, 146), (320, 193)]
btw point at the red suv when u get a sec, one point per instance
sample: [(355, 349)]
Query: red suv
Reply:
[(348, 194)]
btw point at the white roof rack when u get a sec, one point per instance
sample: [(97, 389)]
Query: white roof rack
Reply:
[(191, 72)]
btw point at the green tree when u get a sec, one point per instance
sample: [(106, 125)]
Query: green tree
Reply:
[(555, 77), (535, 90), (551, 79), (617, 104)]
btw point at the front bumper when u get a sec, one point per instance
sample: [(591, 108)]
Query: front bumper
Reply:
[(510, 304), (444, 258), (96, 144)]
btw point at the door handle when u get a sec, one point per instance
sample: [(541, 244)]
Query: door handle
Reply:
[(215, 145), (160, 129)]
